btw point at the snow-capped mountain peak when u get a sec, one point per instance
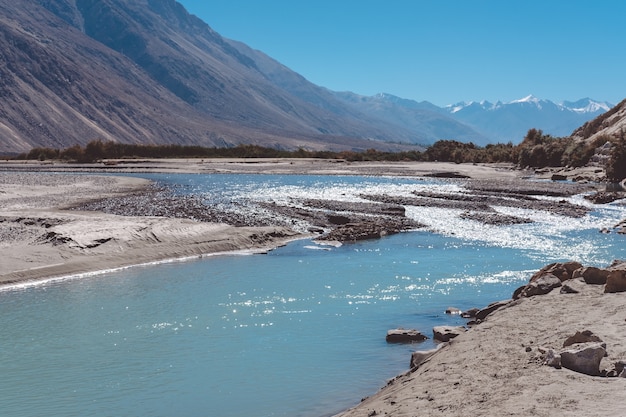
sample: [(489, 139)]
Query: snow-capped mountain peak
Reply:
[(511, 120), (483, 105), (528, 99), (587, 105)]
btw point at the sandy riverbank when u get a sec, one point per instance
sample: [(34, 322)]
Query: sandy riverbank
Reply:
[(287, 166), (283, 166), (40, 238), (496, 368)]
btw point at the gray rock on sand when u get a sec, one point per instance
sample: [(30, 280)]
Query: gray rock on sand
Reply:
[(584, 358), (574, 286), (445, 333)]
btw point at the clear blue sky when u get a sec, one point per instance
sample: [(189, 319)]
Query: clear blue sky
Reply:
[(442, 51)]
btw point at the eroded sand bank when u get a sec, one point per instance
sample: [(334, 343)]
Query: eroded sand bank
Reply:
[(40, 238)]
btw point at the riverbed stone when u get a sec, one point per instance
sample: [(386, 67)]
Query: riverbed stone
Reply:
[(405, 336), (584, 358), (594, 276), (615, 281), (540, 286), (561, 270)]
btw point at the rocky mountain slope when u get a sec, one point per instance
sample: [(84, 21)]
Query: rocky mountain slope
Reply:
[(428, 121), (610, 124), (146, 71)]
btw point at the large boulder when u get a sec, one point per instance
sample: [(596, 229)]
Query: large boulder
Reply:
[(616, 281), (593, 275), (405, 336), (540, 286), (561, 270), (445, 333), (584, 358)]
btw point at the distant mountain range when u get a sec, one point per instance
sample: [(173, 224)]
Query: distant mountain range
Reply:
[(503, 122), (479, 122), (146, 71)]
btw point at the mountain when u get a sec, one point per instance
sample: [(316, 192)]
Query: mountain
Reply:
[(146, 71), (610, 124), (478, 122), (428, 121), (504, 122)]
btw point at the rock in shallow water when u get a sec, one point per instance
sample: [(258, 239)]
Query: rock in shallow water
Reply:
[(405, 336), (453, 311)]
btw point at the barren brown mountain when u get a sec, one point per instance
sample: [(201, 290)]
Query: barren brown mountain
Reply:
[(146, 71)]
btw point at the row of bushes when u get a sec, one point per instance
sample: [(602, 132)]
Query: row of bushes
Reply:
[(98, 150), (537, 150)]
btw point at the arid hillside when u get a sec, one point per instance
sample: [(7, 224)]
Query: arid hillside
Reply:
[(611, 124), (146, 71)]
